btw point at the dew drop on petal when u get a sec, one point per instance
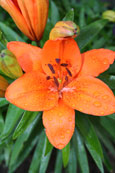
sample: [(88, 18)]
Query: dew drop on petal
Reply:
[(105, 61), (97, 104), (60, 146), (70, 119), (68, 131), (62, 136), (105, 97), (102, 113)]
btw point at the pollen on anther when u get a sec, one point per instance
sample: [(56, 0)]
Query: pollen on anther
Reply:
[(64, 64), (48, 77), (58, 60), (70, 74), (51, 68)]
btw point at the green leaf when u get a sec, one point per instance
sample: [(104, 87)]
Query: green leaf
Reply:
[(54, 13), (91, 139), (18, 146), (65, 154), (12, 117), (72, 164), (109, 125), (111, 116), (48, 146), (35, 164), (107, 162), (69, 15), (3, 102), (88, 33), (9, 33), (58, 164), (1, 122), (108, 79), (25, 121), (82, 17), (66, 4), (81, 154), (27, 146), (44, 160)]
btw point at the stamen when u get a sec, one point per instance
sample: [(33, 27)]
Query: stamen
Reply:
[(70, 74), (51, 68), (56, 81), (64, 64), (48, 77), (58, 60), (66, 78)]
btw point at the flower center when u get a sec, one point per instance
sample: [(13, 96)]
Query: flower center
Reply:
[(61, 75)]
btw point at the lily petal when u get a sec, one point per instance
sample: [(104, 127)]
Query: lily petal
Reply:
[(96, 61), (28, 56), (32, 92), (89, 95), (15, 13), (65, 50), (59, 123)]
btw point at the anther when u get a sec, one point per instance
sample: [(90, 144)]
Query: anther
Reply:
[(56, 81), (66, 78), (58, 60), (48, 77), (64, 64), (51, 68), (70, 74)]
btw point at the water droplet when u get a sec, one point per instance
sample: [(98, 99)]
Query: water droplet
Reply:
[(105, 97), (80, 109), (96, 94), (60, 114), (50, 119), (60, 121), (70, 119), (68, 131), (60, 146), (62, 136), (105, 61), (102, 113), (97, 104)]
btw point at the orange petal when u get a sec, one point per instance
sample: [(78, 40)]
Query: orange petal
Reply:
[(59, 123), (37, 14), (14, 11), (32, 92), (96, 61), (89, 95), (28, 56), (65, 50)]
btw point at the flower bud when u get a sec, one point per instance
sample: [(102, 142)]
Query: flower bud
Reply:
[(64, 29), (109, 14), (9, 65), (3, 86)]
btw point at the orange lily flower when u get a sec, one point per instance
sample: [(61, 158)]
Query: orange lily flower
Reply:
[(59, 79), (30, 16)]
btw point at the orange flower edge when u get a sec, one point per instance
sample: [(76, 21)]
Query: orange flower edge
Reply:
[(63, 85)]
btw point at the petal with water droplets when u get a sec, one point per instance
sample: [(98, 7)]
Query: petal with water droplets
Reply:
[(89, 95), (96, 61), (59, 123)]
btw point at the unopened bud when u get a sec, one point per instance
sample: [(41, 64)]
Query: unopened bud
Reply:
[(109, 14), (64, 29), (9, 65), (3, 86)]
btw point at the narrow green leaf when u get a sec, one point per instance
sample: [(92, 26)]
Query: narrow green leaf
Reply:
[(72, 164), (81, 154), (9, 33), (13, 115), (18, 146), (58, 164), (27, 146), (111, 116), (109, 125), (25, 121), (107, 162), (48, 146), (91, 139), (108, 79), (35, 164), (54, 13), (88, 33), (69, 15), (66, 4), (65, 154), (44, 160), (82, 17), (1, 122), (3, 102)]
